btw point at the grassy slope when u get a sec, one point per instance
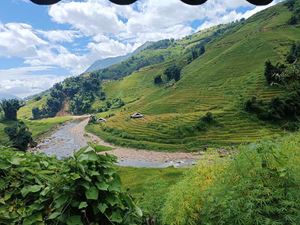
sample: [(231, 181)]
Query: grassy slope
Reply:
[(220, 81), (150, 186)]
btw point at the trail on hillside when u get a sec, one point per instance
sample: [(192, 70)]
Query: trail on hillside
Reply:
[(71, 136)]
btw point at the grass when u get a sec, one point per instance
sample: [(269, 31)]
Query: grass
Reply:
[(220, 81), (40, 127), (150, 186), (100, 148), (26, 111)]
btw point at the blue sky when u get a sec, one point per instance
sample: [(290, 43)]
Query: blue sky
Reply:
[(42, 45)]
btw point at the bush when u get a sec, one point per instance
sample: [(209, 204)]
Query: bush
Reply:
[(186, 197), (206, 121), (158, 79), (19, 135), (260, 186), (85, 189)]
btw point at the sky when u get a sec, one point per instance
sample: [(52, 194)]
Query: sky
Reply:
[(42, 45)]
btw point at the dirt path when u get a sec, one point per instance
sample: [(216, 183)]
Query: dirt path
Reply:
[(72, 136)]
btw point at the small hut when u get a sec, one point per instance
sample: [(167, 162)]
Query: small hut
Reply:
[(137, 115), (101, 120)]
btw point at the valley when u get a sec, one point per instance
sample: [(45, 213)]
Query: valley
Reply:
[(193, 131), (71, 136)]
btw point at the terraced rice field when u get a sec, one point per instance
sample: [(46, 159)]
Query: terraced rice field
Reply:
[(221, 81)]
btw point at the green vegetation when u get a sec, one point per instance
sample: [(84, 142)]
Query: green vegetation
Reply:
[(173, 72), (10, 108), (294, 7), (220, 81), (36, 189), (149, 187), (285, 108), (260, 186), (79, 92), (162, 44), (19, 136), (129, 66), (100, 148)]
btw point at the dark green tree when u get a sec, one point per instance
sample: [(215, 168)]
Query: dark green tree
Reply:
[(294, 54), (158, 79), (19, 135), (36, 113), (173, 72), (10, 108)]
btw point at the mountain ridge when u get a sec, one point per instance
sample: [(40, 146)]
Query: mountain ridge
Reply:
[(107, 62)]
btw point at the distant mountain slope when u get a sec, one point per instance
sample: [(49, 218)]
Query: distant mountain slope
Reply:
[(230, 72), (4, 95), (104, 63)]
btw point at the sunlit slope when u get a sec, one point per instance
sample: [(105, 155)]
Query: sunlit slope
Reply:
[(220, 81)]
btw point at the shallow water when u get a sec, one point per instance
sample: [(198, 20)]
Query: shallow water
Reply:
[(156, 164), (70, 137), (62, 143)]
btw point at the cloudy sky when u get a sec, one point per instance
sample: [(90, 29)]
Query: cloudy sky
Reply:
[(41, 45)]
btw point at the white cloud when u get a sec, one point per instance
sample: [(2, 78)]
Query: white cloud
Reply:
[(89, 17), (18, 40), (25, 81), (60, 35)]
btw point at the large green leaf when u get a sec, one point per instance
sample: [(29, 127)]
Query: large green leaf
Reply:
[(74, 220), (30, 189), (92, 193), (82, 205)]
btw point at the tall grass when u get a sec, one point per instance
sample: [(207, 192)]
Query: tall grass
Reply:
[(261, 185)]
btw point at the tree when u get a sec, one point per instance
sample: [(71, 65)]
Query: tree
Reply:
[(273, 73), (294, 53), (158, 79), (36, 113), (10, 108), (80, 104), (19, 135), (173, 72)]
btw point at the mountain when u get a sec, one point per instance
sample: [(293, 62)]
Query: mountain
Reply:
[(4, 95), (104, 63), (220, 70)]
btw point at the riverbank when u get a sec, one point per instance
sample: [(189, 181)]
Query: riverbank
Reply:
[(71, 136)]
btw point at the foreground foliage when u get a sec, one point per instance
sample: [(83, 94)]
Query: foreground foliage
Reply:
[(260, 186), (86, 189), (19, 135)]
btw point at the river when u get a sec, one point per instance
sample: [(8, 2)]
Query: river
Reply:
[(71, 136)]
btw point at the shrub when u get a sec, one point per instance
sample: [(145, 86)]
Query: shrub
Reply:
[(158, 79), (186, 197), (206, 121), (19, 135), (260, 186), (85, 189)]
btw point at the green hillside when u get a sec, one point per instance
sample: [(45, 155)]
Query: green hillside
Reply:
[(220, 81)]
